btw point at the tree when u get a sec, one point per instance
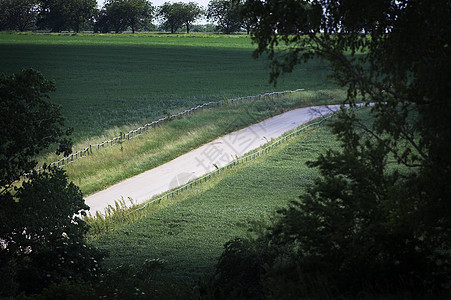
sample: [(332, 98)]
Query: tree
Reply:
[(82, 13), (43, 235), (18, 14), (171, 15), (128, 13), (366, 224), (226, 14), (139, 14), (61, 15), (190, 13), (101, 21), (41, 231), (175, 15), (29, 124), (114, 12), (54, 15)]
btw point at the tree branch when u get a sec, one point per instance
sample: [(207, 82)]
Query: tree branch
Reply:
[(392, 150)]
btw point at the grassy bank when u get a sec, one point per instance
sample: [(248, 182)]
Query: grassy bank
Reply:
[(109, 81), (190, 231)]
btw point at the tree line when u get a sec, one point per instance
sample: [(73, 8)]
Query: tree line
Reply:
[(118, 16)]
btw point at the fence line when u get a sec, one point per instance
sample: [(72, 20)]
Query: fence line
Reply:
[(232, 164), (140, 130)]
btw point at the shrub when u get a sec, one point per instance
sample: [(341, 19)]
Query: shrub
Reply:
[(43, 235), (355, 232)]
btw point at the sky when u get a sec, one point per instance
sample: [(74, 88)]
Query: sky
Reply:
[(204, 3)]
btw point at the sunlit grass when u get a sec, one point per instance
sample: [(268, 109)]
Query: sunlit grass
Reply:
[(162, 144)]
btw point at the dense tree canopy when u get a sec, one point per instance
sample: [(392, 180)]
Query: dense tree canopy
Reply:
[(42, 237), (121, 14), (378, 219), (171, 16), (226, 14), (175, 15), (190, 13), (28, 123), (59, 15), (76, 15), (18, 15)]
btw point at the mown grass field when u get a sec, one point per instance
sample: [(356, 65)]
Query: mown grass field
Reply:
[(190, 231), (108, 81)]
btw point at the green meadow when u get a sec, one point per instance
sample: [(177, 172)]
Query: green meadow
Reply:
[(110, 81), (188, 232)]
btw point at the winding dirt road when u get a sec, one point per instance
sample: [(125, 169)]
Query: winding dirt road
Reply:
[(202, 160)]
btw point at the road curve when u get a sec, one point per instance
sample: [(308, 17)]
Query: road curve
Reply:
[(201, 161)]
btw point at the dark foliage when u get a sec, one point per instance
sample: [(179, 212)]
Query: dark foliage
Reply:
[(118, 15), (226, 14), (18, 15), (171, 15), (366, 226), (59, 15), (175, 15), (42, 235), (43, 238), (28, 123)]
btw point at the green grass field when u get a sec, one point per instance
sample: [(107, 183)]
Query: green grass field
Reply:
[(190, 232), (107, 84), (108, 81)]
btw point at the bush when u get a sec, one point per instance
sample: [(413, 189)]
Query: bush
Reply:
[(355, 232), (43, 236)]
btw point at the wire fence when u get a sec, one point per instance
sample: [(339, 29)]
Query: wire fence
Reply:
[(238, 161), (121, 212), (89, 150)]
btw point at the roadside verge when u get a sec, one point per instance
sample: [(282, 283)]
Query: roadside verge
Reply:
[(203, 160)]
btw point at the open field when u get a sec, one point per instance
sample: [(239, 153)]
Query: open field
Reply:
[(189, 233), (109, 81), (107, 84)]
